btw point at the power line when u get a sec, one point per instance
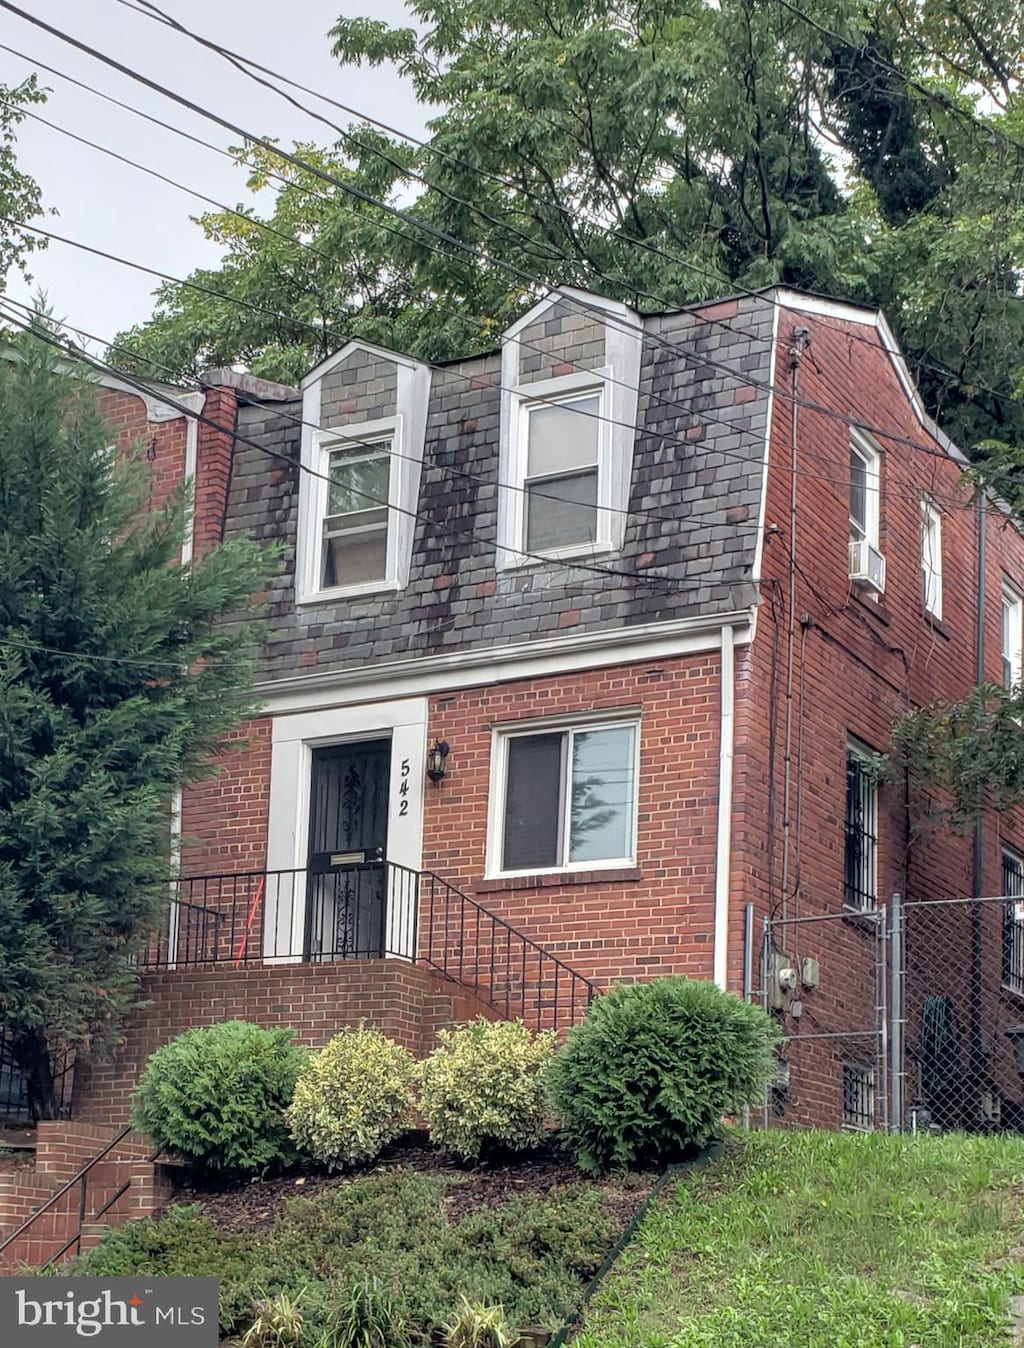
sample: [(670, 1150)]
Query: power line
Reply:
[(666, 584), (453, 313), (940, 100), (236, 59), (531, 281), (912, 493), (570, 299)]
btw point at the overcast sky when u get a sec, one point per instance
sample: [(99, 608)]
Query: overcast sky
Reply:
[(123, 211)]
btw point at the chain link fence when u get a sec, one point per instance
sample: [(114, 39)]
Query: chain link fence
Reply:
[(908, 1016)]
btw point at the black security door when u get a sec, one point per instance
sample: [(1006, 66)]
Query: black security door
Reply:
[(348, 828)]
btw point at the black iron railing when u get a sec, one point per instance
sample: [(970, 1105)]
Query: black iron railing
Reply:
[(72, 1200), (860, 835), (15, 1109), (375, 910), (496, 962)]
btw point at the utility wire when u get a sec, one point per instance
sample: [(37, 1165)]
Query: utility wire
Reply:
[(240, 62), (462, 317), (532, 282), (666, 584), (912, 493)]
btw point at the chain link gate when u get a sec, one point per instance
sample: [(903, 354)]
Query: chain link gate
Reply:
[(825, 979), (905, 1017)]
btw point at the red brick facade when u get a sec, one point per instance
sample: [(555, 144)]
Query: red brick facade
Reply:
[(857, 663)]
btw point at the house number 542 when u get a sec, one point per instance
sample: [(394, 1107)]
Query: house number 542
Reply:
[(403, 789)]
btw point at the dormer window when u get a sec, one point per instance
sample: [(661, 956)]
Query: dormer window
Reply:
[(359, 495), (563, 457), (355, 548), (570, 372)]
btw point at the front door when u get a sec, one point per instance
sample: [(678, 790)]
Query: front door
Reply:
[(348, 827)]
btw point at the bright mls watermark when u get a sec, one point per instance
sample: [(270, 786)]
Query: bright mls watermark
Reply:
[(59, 1312)]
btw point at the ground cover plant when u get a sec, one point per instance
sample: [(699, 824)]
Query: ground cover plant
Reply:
[(387, 1257), (807, 1239)]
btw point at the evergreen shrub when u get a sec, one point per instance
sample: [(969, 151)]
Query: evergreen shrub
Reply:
[(352, 1098), (216, 1097), (654, 1067), (484, 1087)]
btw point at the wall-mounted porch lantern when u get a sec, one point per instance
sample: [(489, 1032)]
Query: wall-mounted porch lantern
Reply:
[(437, 760)]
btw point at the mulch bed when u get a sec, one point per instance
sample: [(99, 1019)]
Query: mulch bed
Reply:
[(255, 1206)]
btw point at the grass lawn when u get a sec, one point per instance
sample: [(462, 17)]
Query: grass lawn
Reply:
[(826, 1240)]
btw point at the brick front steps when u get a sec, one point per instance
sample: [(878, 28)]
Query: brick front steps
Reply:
[(62, 1149)]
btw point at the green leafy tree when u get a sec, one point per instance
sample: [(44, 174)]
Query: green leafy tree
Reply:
[(660, 153), (20, 197), (118, 675)]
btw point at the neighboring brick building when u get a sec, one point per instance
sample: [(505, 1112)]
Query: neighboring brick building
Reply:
[(656, 655)]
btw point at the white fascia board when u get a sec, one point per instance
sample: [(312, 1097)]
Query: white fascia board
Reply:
[(503, 664), (156, 409), (874, 318), (598, 304), (379, 352)]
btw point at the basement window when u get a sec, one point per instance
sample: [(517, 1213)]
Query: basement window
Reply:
[(858, 1097), (564, 798)]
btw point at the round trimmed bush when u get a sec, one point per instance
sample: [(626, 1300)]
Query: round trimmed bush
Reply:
[(484, 1087), (653, 1068), (216, 1097), (352, 1098)]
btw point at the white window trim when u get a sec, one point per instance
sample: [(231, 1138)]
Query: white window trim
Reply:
[(931, 518), (547, 393), (500, 738), (1011, 597), (871, 456), (369, 434), (407, 429), (619, 382)]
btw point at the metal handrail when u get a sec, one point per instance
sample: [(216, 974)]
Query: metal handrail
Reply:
[(114, 1198), (245, 913), (592, 987), (80, 1178), (486, 964)]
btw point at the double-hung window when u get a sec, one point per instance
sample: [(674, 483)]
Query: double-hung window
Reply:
[(563, 465), (1012, 636), (1013, 921), (931, 559), (861, 831), (867, 565), (364, 416), (565, 797), (355, 523)]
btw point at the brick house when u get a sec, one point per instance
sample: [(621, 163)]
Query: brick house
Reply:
[(572, 673)]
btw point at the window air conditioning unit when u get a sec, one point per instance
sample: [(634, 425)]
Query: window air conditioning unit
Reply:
[(867, 565)]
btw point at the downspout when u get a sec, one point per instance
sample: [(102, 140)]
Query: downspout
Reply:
[(977, 1057), (799, 339), (723, 856), (196, 402), (191, 458)]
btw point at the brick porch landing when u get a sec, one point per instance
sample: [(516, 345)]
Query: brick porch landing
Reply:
[(407, 1002)]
